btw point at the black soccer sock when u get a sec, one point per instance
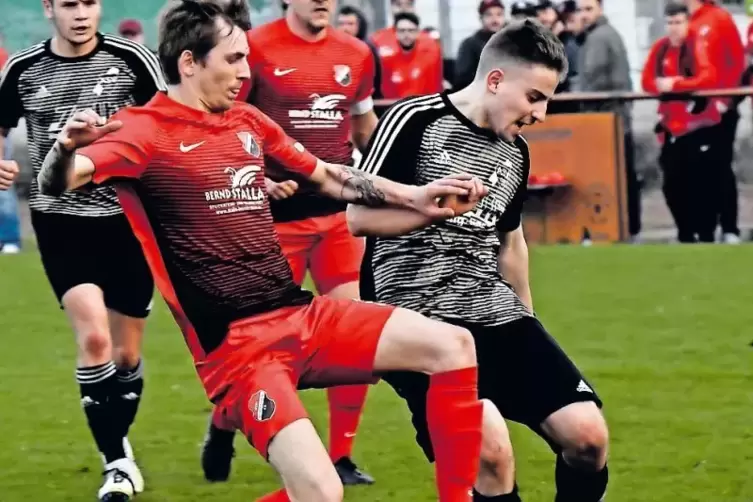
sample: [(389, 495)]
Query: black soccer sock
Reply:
[(128, 393), (577, 485), (513, 496), (98, 384)]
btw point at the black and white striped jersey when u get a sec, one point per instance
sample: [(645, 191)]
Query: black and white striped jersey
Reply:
[(448, 270), (47, 89)]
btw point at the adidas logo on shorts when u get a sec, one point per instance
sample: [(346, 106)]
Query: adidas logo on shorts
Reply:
[(583, 387)]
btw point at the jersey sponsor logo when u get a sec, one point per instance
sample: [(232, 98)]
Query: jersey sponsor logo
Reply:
[(109, 78), (188, 148), (325, 112), (64, 113), (343, 75), (250, 146), (279, 72), (261, 406), (241, 195)]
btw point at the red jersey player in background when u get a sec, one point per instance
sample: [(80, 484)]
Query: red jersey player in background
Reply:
[(316, 83), (189, 170), (386, 40)]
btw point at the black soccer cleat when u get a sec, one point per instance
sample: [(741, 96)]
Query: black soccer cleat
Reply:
[(217, 454), (350, 474)]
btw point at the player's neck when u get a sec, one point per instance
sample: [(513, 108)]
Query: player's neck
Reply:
[(187, 97), (467, 102), (63, 48), (300, 30)]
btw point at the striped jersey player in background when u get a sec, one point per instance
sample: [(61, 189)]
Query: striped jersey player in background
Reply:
[(93, 262), (472, 270), (316, 83)]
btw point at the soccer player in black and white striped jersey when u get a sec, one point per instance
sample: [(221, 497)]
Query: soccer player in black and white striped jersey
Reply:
[(472, 270), (92, 259)]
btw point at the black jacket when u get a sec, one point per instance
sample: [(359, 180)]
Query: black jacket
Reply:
[(469, 54)]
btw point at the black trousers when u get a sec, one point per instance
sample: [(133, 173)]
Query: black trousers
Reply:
[(633, 186), (728, 193), (692, 183)]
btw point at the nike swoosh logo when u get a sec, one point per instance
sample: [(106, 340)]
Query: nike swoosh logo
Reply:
[(186, 149), (281, 73)]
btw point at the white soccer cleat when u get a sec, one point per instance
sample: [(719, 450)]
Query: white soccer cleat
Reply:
[(118, 485), (131, 468)]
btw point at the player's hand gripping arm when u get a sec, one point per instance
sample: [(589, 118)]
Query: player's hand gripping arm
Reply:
[(391, 222), (513, 264), (357, 187), (62, 169)]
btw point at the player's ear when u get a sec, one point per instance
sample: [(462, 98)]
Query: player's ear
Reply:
[(186, 63), (47, 6), (493, 79)]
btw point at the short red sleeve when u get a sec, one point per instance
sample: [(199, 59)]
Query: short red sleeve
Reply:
[(283, 149), (124, 153), (366, 85)]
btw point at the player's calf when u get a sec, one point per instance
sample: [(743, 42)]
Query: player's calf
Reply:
[(496, 478), (580, 430)]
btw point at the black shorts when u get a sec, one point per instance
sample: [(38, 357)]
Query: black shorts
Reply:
[(95, 250), (522, 370)]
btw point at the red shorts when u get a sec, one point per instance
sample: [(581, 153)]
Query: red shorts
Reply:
[(255, 374), (326, 247)]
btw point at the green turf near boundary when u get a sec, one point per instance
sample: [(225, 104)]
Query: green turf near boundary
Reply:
[(663, 333)]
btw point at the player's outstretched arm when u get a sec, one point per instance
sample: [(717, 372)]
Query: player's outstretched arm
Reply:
[(62, 169), (357, 187), (391, 222), (513, 264)]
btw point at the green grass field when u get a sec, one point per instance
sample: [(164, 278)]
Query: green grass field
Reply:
[(663, 332)]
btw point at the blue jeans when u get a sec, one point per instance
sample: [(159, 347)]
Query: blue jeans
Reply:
[(10, 226)]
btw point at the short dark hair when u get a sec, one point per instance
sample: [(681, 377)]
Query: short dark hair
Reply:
[(528, 42), (238, 11), (348, 10), (406, 16), (189, 25), (675, 9)]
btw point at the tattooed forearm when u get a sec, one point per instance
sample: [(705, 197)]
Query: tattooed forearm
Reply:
[(53, 177), (359, 188)]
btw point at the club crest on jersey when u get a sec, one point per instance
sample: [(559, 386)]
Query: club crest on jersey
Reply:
[(343, 75), (261, 406), (249, 144)]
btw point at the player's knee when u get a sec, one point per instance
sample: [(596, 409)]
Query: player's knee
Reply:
[(497, 472), (589, 442), (455, 349), (95, 343)]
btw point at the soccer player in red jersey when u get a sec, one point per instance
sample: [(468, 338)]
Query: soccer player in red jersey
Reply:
[(317, 84), (189, 170)]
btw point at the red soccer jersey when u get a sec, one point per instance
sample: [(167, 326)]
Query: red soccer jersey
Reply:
[(192, 186), (311, 89)]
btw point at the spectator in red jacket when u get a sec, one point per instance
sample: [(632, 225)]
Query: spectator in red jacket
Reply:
[(718, 38), (411, 71), (386, 41), (686, 128)]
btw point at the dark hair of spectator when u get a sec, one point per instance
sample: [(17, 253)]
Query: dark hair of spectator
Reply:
[(406, 16), (527, 42), (238, 11), (190, 25), (675, 9), (348, 10), (398, 1)]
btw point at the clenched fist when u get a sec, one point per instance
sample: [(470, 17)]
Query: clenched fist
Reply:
[(8, 172)]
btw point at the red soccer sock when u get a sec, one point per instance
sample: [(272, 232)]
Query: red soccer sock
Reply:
[(454, 415), (345, 407), (219, 420), (280, 496)]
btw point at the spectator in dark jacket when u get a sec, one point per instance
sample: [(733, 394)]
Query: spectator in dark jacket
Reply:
[(353, 22), (492, 14)]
